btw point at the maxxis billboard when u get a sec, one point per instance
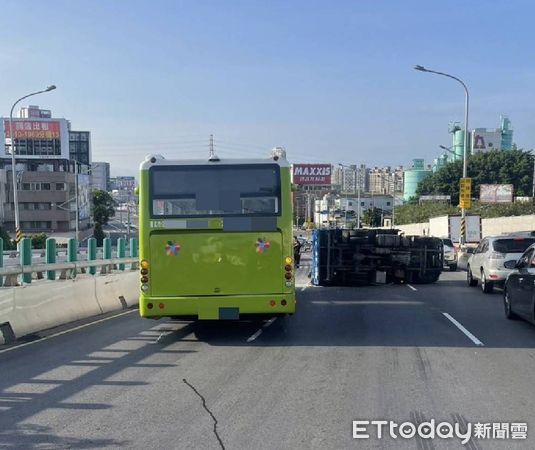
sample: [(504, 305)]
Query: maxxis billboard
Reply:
[(311, 174)]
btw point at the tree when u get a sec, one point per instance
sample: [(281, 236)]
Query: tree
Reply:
[(8, 243), (98, 234), (39, 240), (372, 217), (495, 167), (422, 213), (103, 209)]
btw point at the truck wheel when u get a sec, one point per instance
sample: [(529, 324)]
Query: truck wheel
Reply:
[(486, 286), (469, 278)]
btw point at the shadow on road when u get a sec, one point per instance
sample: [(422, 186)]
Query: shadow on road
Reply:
[(26, 392), (30, 436)]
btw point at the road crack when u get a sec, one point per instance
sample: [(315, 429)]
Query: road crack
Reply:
[(208, 411)]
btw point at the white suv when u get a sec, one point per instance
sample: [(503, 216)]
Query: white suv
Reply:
[(487, 262)]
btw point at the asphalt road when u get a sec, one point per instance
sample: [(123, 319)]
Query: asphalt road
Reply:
[(377, 352)]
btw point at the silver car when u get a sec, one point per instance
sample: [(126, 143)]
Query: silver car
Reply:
[(450, 254), (486, 264)]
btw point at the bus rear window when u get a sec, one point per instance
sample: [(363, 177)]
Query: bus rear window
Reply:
[(190, 191)]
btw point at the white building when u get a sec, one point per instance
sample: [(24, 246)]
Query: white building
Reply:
[(100, 176), (348, 178), (343, 211)]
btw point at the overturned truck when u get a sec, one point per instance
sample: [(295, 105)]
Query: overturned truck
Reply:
[(359, 257)]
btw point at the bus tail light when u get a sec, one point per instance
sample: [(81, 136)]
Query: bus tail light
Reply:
[(149, 305), (273, 303), (144, 275), (288, 271), (283, 302), (161, 306)]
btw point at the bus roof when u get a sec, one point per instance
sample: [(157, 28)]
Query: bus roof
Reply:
[(159, 160)]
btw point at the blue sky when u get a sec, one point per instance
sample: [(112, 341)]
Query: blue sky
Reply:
[(330, 81)]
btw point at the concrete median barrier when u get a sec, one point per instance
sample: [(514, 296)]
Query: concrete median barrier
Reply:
[(118, 290), (45, 304)]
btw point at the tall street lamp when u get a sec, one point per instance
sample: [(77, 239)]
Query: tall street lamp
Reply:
[(448, 149), (466, 139), (13, 163)]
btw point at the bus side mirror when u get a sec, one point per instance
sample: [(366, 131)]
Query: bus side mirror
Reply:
[(136, 191)]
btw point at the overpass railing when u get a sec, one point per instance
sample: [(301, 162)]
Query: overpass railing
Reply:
[(102, 260)]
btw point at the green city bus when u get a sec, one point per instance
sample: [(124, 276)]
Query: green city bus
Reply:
[(216, 237)]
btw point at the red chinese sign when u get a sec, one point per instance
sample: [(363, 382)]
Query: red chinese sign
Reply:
[(33, 129)]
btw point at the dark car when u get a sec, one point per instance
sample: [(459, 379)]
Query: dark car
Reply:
[(519, 290)]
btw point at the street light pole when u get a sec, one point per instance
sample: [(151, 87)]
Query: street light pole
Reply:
[(77, 195), (358, 199), (466, 137), (448, 149), (13, 160)]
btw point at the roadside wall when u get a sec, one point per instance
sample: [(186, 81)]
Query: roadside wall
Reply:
[(45, 304), (501, 225), (489, 227), (415, 229)]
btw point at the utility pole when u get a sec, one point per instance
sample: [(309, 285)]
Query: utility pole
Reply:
[(211, 147), (128, 217), (533, 190), (77, 194), (358, 199)]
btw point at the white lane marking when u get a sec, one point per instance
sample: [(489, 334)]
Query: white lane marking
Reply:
[(303, 288), (269, 322), (259, 332), (412, 287), (70, 330), (464, 330), (254, 336)]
